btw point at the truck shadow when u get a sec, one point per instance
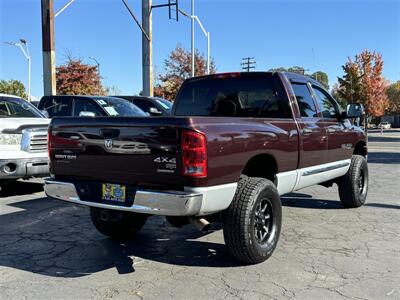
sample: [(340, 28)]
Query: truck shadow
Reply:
[(18, 188), (56, 239), (301, 200)]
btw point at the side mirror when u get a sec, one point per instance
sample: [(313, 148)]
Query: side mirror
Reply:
[(45, 113), (354, 110), (154, 111), (87, 114)]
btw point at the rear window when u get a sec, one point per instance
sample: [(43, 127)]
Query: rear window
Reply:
[(242, 95), (119, 107)]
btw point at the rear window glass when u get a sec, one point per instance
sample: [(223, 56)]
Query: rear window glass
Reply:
[(119, 107), (244, 96)]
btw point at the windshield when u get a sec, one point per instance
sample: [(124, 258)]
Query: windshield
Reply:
[(17, 108), (167, 105), (119, 107)]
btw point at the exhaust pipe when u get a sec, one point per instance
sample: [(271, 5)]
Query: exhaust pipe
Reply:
[(200, 223)]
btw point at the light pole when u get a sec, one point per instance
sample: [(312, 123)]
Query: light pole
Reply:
[(194, 18), (27, 55)]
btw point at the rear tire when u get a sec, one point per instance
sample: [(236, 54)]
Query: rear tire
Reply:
[(117, 225), (353, 187), (252, 223)]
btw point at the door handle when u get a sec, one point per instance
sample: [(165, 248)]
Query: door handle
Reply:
[(307, 131)]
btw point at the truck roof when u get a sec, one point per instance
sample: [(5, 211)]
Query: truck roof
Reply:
[(290, 75)]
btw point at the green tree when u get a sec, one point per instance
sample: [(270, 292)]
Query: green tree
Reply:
[(319, 76), (350, 88), (337, 95), (279, 69), (322, 78), (393, 94), (178, 68), (298, 70), (76, 78), (13, 87)]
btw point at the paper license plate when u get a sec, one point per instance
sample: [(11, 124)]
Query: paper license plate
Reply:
[(114, 192)]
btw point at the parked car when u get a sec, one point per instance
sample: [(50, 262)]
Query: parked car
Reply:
[(372, 126), (384, 125), (88, 106), (23, 140), (234, 143), (152, 105)]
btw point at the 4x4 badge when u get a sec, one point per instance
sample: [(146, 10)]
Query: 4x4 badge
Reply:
[(108, 143)]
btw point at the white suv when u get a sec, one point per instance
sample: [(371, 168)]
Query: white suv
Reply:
[(23, 140)]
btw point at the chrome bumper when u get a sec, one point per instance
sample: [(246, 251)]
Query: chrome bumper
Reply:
[(166, 203), (24, 168)]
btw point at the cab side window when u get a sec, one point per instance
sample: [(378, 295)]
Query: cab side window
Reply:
[(57, 106), (86, 105), (326, 105), (144, 105), (305, 100)]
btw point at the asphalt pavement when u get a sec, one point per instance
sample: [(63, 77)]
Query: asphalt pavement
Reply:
[(50, 250)]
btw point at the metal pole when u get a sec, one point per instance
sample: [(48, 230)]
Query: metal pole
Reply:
[(193, 50), (49, 63), (208, 53), (147, 48), (29, 79)]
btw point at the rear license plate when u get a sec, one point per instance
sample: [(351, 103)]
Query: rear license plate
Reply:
[(114, 192)]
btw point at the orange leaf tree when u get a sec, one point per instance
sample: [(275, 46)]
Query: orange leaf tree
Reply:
[(76, 78), (363, 82), (178, 67)]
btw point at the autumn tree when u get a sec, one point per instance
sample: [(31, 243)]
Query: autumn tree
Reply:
[(13, 87), (393, 94), (178, 67), (363, 82), (76, 78)]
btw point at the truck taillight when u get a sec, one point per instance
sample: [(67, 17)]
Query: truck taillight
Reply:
[(194, 154), (64, 141)]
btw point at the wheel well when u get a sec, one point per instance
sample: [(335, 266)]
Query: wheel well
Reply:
[(361, 149), (263, 165)]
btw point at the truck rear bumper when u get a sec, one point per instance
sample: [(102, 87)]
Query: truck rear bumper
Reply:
[(191, 202)]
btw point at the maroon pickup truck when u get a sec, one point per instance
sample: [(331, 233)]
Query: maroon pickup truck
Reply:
[(233, 144)]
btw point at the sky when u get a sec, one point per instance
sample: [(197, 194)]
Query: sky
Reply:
[(275, 32)]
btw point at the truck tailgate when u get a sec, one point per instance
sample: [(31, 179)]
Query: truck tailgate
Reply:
[(117, 150)]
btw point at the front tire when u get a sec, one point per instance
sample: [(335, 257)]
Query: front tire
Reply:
[(252, 223), (353, 186), (117, 225)]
